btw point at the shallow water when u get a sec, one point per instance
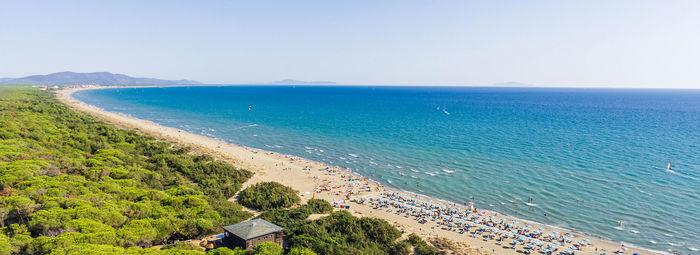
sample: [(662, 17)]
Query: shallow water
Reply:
[(588, 158)]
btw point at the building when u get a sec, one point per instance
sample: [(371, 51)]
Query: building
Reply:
[(250, 233)]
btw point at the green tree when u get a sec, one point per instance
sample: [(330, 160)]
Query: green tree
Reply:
[(319, 206), (91, 249), (6, 247), (227, 251), (137, 232), (300, 251), (267, 248), (268, 195)]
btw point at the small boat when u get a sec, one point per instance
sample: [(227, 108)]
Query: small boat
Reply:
[(668, 168)]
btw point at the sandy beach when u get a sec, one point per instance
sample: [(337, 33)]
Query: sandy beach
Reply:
[(488, 232)]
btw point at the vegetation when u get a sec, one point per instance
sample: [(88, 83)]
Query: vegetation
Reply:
[(268, 195), (337, 233), (291, 217), (267, 248), (421, 246), (72, 185)]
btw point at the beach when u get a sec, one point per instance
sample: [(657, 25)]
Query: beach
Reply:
[(412, 213)]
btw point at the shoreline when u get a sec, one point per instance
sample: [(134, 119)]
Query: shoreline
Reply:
[(308, 176)]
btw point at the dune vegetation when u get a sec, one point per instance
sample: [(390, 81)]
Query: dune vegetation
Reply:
[(70, 184)]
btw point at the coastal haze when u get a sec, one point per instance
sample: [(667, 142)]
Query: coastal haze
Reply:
[(627, 43), (585, 158)]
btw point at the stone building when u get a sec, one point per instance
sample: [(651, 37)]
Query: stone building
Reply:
[(250, 233)]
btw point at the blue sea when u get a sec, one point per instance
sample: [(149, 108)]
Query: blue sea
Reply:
[(587, 158)]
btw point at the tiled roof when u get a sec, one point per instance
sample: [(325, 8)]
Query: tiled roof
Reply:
[(252, 228)]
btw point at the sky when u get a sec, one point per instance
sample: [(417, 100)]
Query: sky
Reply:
[(547, 43)]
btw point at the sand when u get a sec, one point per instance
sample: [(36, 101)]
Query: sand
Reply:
[(309, 177)]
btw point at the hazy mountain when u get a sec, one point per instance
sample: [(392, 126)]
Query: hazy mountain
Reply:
[(101, 78), (5, 79), (295, 82), (511, 84)]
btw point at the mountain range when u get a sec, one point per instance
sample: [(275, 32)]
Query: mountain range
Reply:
[(98, 78)]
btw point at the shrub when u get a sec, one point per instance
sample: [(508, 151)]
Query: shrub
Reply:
[(267, 248), (300, 251), (71, 184), (319, 206), (268, 195)]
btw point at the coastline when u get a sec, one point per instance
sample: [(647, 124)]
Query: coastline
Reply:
[(306, 176)]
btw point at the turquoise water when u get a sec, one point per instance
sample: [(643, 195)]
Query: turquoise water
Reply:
[(588, 158)]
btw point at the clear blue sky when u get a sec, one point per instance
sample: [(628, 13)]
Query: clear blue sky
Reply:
[(551, 43)]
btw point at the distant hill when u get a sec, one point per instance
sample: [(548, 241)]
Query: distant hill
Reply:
[(295, 82), (512, 84), (99, 78)]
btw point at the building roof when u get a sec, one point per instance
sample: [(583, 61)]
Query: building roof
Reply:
[(252, 228)]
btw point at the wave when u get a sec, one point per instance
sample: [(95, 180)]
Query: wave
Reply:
[(640, 191), (683, 175), (486, 169), (352, 155), (246, 126)]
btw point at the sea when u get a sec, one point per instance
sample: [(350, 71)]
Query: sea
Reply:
[(594, 161)]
